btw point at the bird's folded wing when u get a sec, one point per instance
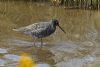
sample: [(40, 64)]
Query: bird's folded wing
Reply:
[(40, 28), (32, 28)]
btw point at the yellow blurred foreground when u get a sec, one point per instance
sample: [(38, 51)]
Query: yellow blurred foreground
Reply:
[(26, 61)]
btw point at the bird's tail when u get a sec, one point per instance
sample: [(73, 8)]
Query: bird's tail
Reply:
[(15, 29), (23, 30)]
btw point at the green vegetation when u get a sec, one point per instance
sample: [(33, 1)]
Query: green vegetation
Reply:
[(86, 4), (83, 4)]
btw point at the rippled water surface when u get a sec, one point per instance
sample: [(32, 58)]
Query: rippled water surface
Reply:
[(79, 47)]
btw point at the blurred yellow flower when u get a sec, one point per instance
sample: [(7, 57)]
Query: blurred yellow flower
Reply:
[(26, 61)]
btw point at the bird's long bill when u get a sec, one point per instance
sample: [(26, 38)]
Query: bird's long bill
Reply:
[(62, 29)]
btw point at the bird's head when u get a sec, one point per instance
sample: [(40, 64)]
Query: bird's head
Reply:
[(55, 22)]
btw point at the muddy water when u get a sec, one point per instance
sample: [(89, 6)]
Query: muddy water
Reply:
[(79, 47)]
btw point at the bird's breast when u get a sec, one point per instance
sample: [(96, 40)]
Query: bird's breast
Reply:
[(44, 33)]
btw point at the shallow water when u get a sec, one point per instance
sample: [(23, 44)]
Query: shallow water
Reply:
[(78, 48)]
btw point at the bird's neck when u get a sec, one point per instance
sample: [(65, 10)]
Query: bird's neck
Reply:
[(53, 26)]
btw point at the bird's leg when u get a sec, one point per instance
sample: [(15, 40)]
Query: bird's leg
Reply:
[(34, 42), (41, 42)]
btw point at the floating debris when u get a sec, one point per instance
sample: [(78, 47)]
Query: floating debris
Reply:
[(43, 65), (2, 63), (11, 57), (3, 51)]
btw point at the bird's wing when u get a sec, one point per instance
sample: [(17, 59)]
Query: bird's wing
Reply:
[(40, 26), (33, 27)]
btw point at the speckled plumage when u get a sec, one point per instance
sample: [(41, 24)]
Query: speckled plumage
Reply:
[(40, 30)]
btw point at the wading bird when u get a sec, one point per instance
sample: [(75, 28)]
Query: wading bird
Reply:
[(40, 30)]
